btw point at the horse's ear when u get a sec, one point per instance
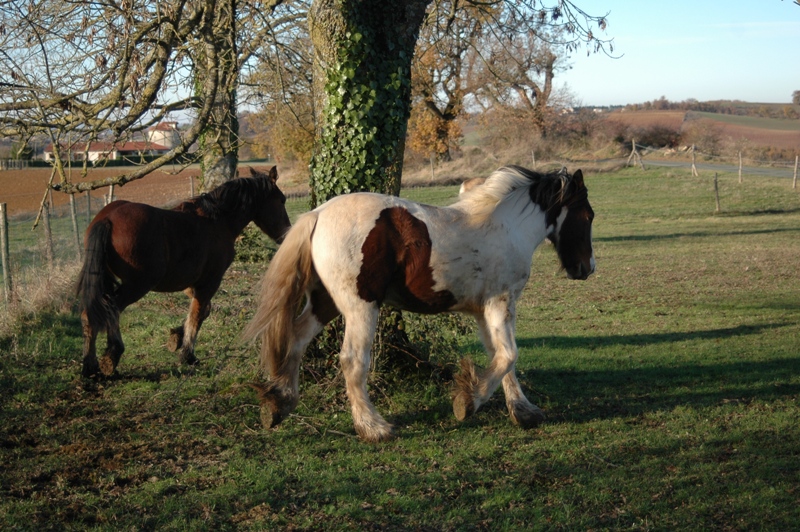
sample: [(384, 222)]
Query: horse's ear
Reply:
[(273, 174), (253, 172), (577, 178)]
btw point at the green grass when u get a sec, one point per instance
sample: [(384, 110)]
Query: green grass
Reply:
[(670, 378)]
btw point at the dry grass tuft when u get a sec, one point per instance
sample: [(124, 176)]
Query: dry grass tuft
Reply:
[(41, 289)]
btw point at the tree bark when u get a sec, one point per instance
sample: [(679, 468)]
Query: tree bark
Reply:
[(219, 142), (362, 90)]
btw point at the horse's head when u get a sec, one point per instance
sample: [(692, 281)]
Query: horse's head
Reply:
[(572, 230), (271, 216)]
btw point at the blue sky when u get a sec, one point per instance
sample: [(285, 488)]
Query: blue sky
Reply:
[(708, 50)]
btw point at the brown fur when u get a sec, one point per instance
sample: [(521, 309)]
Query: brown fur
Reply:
[(289, 274), (397, 256)]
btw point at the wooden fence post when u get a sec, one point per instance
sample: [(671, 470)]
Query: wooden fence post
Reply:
[(635, 155), (110, 194), (88, 207), (4, 252), (794, 179), (694, 166), (74, 212), (716, 192), (191, 186), (740, 166)]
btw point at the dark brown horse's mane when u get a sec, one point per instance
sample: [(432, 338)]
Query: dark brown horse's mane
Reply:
[(241, 194)]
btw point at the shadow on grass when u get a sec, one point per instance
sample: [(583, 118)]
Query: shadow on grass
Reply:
[(696, 234), (577, 395), (591, 342)]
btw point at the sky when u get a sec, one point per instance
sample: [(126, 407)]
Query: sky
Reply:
[(745, 50)]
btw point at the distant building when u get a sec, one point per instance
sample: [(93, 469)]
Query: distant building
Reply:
[(160, 139), (165, 134)]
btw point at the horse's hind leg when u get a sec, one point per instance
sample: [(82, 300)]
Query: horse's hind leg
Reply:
[(125, 294), (90, 364), (114, 347), (360, 323), (279, 398)]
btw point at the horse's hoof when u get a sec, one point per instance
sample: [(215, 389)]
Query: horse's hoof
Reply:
[(463, 406), (90, 369), (270, 418), (527, 416), (378, 434), (175, 339), (107, 366), (188, 359)]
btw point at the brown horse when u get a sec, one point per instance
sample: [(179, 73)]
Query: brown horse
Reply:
[(133, 248)]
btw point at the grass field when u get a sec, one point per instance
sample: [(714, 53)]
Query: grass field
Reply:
[(671, 381)]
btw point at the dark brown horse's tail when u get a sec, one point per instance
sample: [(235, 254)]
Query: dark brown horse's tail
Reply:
[(95, 283), (289, 274)]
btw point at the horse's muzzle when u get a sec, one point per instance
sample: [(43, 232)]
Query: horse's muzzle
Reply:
[(581, 272)]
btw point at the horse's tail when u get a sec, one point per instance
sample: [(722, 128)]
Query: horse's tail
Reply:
[(95, 283), (282, 289)]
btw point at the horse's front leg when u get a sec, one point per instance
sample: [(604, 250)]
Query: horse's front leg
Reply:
[(199, 309), (523, 412), (360, 325), (496, 327)]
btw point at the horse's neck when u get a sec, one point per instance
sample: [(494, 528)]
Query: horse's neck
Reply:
[(523, 221), (235, 222)]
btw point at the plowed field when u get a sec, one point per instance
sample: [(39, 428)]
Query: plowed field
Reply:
[(23, 190)]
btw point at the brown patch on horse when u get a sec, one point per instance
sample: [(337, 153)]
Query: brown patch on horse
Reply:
[(397, 262), (322, 304)]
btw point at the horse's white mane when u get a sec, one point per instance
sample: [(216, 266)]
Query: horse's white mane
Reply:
[(481, 201)]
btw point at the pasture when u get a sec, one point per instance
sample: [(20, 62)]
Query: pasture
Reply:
[(670, 380)]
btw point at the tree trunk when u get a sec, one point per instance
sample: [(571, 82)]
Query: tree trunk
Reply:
[(220, 140), (362, 93), (362, 83)]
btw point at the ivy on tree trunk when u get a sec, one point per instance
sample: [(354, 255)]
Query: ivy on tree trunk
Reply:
[(363, 53)]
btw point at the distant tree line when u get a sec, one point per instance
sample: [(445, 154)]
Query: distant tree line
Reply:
[(723, 107)]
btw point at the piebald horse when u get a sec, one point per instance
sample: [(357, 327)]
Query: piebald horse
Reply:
[(358, 251), (133, 248)]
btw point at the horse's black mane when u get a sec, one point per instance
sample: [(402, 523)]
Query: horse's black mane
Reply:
[(241, 194), (552, 190)]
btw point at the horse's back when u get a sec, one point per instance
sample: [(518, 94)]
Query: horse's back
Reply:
[(167, 249), (377, 248)]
